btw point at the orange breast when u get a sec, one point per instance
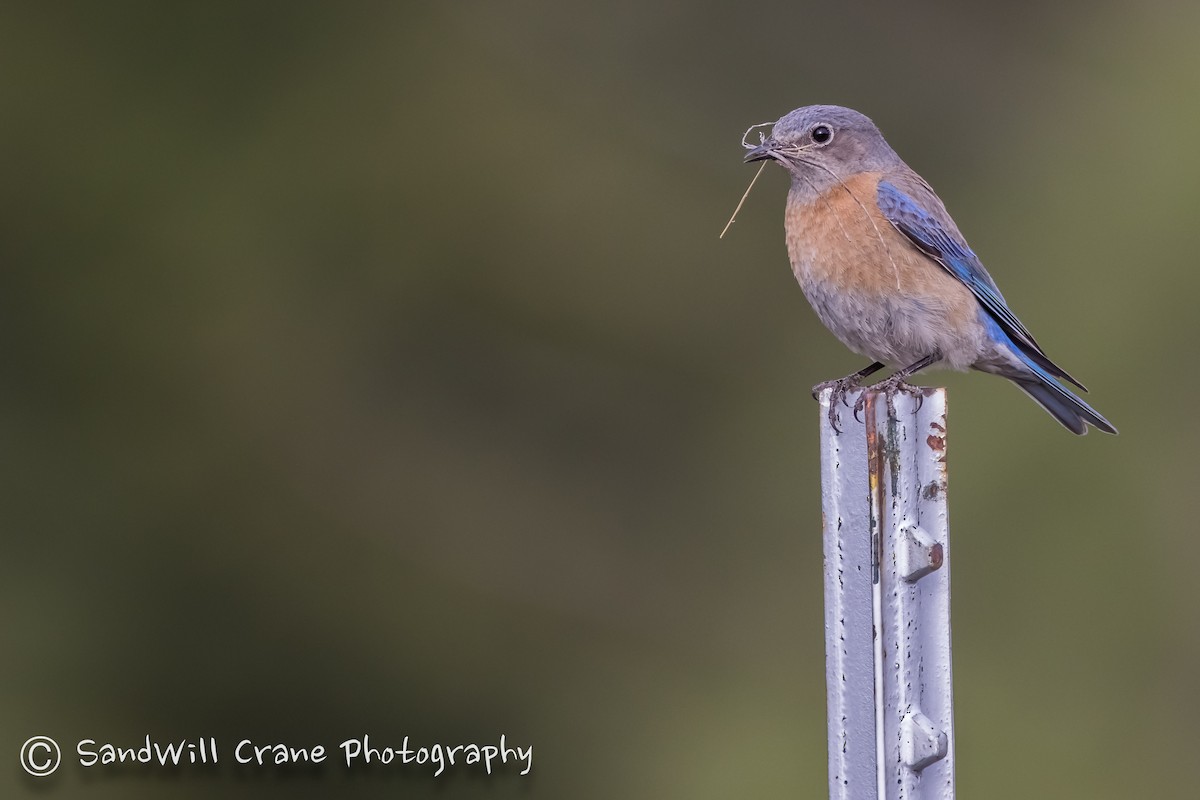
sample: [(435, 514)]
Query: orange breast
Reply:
[(842, 240)]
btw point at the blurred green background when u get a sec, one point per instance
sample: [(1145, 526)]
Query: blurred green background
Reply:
[(375, 368)]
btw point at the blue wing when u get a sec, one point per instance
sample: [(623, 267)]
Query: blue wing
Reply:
[(945, 246)]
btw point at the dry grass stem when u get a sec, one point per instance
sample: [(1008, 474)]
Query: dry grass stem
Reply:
[(743, 200)]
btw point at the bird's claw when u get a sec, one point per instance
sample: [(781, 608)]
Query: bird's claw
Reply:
[(890, 387), (859, 405), (839, 389)]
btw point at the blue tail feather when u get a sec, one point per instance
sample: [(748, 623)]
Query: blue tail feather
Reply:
[(1040, 384), (1073, 413)]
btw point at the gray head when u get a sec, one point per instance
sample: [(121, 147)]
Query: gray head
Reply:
[(824, 145)]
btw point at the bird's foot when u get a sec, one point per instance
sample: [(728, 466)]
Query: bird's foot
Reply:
[(837, 396), (890, 387)]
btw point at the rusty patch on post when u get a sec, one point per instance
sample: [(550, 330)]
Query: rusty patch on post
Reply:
[(937, 442), (873, 464), (875, 479), (936, 556)]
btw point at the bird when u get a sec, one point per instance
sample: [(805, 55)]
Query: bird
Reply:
[(888, 272)]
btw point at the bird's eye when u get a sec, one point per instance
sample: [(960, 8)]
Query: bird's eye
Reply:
[(821, 134)]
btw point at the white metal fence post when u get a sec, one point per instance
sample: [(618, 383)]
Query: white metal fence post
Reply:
[(887, 599)]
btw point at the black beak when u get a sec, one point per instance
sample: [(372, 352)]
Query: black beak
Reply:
[(763, 152)]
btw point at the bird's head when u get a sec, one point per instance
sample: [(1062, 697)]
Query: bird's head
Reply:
[(824, 145)]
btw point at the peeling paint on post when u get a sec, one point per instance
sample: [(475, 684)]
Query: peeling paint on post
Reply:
[(887, 570)]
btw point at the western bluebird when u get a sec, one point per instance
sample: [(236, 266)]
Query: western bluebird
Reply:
[(888, 272)]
